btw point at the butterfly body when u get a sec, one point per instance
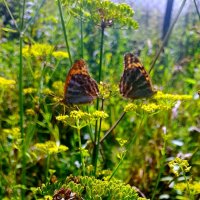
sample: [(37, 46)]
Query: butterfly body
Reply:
[(135, 82), (80, 88)]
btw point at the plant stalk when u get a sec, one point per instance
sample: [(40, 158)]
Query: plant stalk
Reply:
[(167, 36), (160, 170), (95, 150), (64, 31), (113, 127), (21, 102), (127, 150), (80, 149)]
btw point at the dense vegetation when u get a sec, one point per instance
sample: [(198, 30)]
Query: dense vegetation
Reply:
[(114, 147)]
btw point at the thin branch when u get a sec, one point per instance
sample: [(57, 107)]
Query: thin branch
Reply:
[(8, 9), (64, 31), (32, 20), (113, 127), (195, 3), (167, 36)]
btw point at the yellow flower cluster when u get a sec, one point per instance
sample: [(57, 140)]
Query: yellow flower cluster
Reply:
[(29, 90), (47, 91), (81, 117), (30, 112), (194, 187), (161, 96), (152, 107), (5, 82), (60, 55), (149, 108), (37, 50), (50, 147), (99, 114), (58, 87), (14, 132), (130, 107), (178, 165)]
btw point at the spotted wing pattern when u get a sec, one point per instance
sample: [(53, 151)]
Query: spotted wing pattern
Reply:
[(135, 82), (80, 88)]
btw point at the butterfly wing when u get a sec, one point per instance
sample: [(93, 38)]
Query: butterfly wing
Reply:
[(80, 88), (135, 82)]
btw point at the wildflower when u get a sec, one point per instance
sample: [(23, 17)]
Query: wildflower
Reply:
[(6, 82), (121, 141), (47, 91), (80, 115), (37, 50), (50, 147), (13, 132), (194, 187), (130, 107), (76, 119), (178, 165), (58, 87), (29, 90), (99, 114), (105, 13), (152, 107), (60, 55), (30, 112), (161, 96)]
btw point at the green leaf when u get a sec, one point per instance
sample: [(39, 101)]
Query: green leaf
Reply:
[(9, 30)]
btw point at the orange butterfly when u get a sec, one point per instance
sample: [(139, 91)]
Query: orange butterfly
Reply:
[(79, 87), (135, 82)]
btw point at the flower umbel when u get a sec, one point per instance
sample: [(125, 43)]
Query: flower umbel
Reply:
[(50, 147), (178, 165)]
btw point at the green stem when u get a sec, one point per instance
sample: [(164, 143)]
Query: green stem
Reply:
[(80, 148), (101, 53), (188, 187), (96, 147), (113, 127), (81, 23), (124, 155), (167, 36), (13, 19), (47, 168), (32, 20), (160, 170), (21, 103), (95, 152), (64, 31), (132, 139)]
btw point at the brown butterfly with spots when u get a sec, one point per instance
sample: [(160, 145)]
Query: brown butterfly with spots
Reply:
[(135, 82), (80, 88)]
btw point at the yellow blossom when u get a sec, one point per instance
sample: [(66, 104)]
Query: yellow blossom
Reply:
[(175, 97), (60, 54), (58, 87), (130, 107), (6, 82), (79, 115), (50, 147), (99, 114), (37, 50), (30, 112), (152, 107), (29, 90), (47, 91), (194, 187), (178, 165), (14, 132)]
